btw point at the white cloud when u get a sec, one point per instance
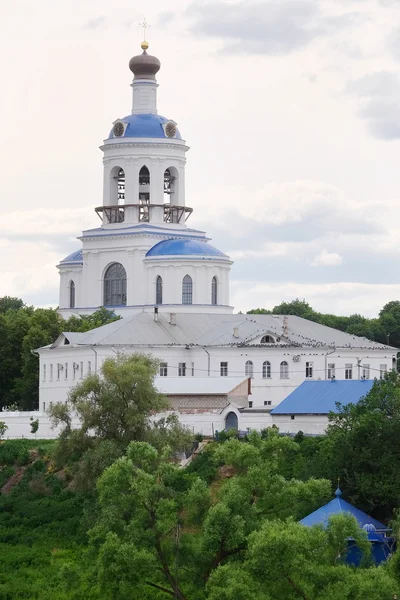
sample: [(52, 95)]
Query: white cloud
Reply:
[(327, 259)]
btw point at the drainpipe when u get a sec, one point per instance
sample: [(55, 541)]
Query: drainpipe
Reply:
[(326, 361), (208, 361), (95, 359)]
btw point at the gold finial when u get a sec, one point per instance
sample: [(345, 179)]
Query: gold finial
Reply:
[(145, 44)]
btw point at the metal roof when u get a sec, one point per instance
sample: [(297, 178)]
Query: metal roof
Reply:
[(181, 247), (75, 257), (320, 397), (144, 126), (223, 330), (339, 506), (197, 386)]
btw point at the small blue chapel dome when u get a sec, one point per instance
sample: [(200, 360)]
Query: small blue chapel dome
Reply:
[(143, 126), (179, 247)]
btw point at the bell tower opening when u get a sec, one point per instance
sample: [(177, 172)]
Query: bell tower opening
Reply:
[(121, 186), (144, 193)]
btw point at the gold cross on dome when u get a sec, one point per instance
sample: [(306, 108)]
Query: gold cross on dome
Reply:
[(145, 26)]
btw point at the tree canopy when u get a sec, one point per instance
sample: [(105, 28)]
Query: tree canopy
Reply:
[(23, 329), (114, 407)]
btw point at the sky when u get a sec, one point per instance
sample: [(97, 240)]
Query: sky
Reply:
[(291, 109)]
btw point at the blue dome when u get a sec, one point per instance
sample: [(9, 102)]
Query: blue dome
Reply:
[(144, 126), (181, 247), (75, 257)]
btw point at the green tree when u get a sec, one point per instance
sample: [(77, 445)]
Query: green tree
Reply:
[(174, 531), (361, 447), (3, 429), (114, 408), (9, 303)]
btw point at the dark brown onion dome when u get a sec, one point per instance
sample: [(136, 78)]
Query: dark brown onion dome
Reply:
[(144, 66)]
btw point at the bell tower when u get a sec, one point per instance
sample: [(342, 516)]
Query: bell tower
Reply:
[(144, 158)]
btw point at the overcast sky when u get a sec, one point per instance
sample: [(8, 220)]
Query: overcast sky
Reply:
[(292, 112)]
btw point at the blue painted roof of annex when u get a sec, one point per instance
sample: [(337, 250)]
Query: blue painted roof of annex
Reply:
[(320, 397)]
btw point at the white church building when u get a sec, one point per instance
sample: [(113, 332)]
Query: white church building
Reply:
[(171, 288)]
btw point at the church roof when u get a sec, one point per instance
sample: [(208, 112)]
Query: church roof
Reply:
[(184, 247), (75, 257), (320, 397), (144, 126), (339, 506), (204, 329)]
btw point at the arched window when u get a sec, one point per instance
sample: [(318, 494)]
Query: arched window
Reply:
[(187, 290), (267, 339), (214, 291), (249, 369), (159, 290), (266, 370), (144, 193), (115, 285), (121, 186), (71, 294), (284, 371)]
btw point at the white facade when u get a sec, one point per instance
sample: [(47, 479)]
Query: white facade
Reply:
[(172, 289), (144, 204)]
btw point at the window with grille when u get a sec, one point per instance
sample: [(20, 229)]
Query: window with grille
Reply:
[(348, 371), (81, 370), (284, 370), (187, 290), (89, 367), (159, 290), (115, 285), (182, 369), (249, 369), (164, 369), (214, 291), (51, 372), (382, 371), (309, 370), (331, 370), (266, 370), (224, 369)]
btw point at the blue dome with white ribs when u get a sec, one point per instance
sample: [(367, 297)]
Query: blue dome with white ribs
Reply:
[(144, 126), (181, 247)]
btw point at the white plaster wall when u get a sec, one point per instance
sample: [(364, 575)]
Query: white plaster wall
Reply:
[(272, 390), (308, 424)]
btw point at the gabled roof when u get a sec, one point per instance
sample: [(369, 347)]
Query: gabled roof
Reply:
[(320, 397), (223, 330), (339, 506)]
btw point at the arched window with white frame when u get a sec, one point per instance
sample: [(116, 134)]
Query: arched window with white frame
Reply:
[(249, 369), (71, 294), (187, 290), (266, 369), (214, 291), (159, 290), (284, 370), (115, 285)]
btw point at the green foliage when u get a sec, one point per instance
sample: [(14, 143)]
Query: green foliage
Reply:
[(384, 329), (24, 329), (34, 425), (175, 529), (3, 429), (114, 409)]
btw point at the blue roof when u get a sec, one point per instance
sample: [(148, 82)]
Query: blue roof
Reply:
[(179, 247), (144, 126), (320, 397), (339, 506), (75, 257)]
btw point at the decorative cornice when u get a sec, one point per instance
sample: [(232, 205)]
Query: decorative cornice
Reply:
[(160, 144)]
